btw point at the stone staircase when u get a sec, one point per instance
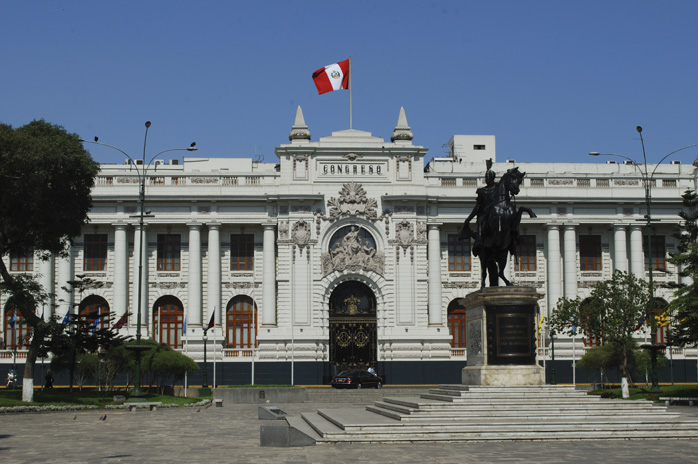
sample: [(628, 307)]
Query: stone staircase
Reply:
[(460, 413)]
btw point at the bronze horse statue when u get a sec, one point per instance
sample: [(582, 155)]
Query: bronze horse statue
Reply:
[(497, 225)]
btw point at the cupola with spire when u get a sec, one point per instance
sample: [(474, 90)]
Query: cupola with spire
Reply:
[(402, 132), (299, 131)]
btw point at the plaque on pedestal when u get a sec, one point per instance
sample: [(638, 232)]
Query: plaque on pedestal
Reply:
[(501, 337)]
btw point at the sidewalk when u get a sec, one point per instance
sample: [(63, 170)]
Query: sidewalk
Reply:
[(231, 435)]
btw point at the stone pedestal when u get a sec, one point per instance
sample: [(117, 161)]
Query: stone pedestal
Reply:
[(501, 337)]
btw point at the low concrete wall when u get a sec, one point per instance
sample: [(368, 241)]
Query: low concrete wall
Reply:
[(261, 395)]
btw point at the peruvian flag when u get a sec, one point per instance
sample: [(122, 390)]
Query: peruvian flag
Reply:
[(332, 77), (123, 320)]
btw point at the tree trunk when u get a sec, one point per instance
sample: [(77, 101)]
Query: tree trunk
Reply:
[(28, 378)]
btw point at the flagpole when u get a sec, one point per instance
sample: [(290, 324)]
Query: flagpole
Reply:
[(214, 348), (574, 358), (186, 352), (351, 71)]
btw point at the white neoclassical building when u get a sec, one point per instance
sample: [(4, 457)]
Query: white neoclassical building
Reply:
[(345, 252)]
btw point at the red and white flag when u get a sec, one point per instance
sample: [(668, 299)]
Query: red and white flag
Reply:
[(332, 77)]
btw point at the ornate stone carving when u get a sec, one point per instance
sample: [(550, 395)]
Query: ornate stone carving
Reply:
[(352, 201), (353, 253), (404, 234), (300, 234), (352, 156), (283, 230), (474, 338)]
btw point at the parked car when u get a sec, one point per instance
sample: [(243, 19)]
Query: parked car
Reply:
[(357, 378)]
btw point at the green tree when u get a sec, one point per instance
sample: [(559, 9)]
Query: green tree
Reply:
[(162, 365), (46, 177), (683, 310), (613, 313)]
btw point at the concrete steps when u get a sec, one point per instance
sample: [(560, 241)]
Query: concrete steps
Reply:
[(456, 413)]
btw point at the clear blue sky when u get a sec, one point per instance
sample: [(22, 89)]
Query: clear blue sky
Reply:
[(552, 80)]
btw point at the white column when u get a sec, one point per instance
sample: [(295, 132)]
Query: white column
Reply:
[(195, 278), (620, 245), (434, 258), (140, 251), (120, 272), (65, 299), (554, 267), (46, 279), (570, 262), (269, 276), (637, 258), (214, 273)]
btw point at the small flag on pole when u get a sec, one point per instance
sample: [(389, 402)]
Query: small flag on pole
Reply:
[(13, 319), (332, 77), (123, 320), (212, 321), (184, 326), (66, 319), (540, 323)]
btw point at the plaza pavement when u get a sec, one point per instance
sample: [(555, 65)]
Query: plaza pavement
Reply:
[(230, 434)]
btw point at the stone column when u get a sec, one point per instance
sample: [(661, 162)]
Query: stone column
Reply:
[(554, 267), (214, 272), (620, 255), (120, 272), (46, 279), (65, 299), (269, 276), (637, 258), (434, 258), (195, 277), (570, 261), (140, 255)]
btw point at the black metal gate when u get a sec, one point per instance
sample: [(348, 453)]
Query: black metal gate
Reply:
[(353, 329)]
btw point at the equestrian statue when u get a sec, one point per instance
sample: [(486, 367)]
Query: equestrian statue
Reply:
[(498, 220)]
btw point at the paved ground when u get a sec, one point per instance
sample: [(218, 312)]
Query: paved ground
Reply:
[(231, 435)]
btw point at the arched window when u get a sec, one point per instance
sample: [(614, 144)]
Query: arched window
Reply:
[(168, 318), (241, 322), (95, 309), (456, 324), (16, 329)]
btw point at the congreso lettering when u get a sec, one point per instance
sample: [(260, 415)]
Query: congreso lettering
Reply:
[(352, 169)]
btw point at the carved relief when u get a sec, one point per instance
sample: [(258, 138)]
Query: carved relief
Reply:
[(474, 338), (300, 234), (352, 201), (353, 253), (352, 156), (283, 230)]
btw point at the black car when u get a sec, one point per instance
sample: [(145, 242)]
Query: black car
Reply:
[(357, 379)]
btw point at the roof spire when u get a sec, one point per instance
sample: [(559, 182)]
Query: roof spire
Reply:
[(402, 132), (299, 131)]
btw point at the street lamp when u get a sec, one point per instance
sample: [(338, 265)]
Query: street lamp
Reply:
[(205, 391), (647, 179), (142, 172)]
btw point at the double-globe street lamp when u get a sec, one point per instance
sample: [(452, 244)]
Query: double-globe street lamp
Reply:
[(647, 179), (142, 173)]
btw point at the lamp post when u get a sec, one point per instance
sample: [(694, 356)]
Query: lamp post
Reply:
[(647, 179), (142, 172), (205, 390)]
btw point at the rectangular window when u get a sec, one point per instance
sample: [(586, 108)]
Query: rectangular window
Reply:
[(22, 262), (589, 252), (526, 251), (95, 252), (658, 253), (242, 252), (458, 254), (169, 249)]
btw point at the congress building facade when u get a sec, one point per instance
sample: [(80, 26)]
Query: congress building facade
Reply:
[(346, 252)]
